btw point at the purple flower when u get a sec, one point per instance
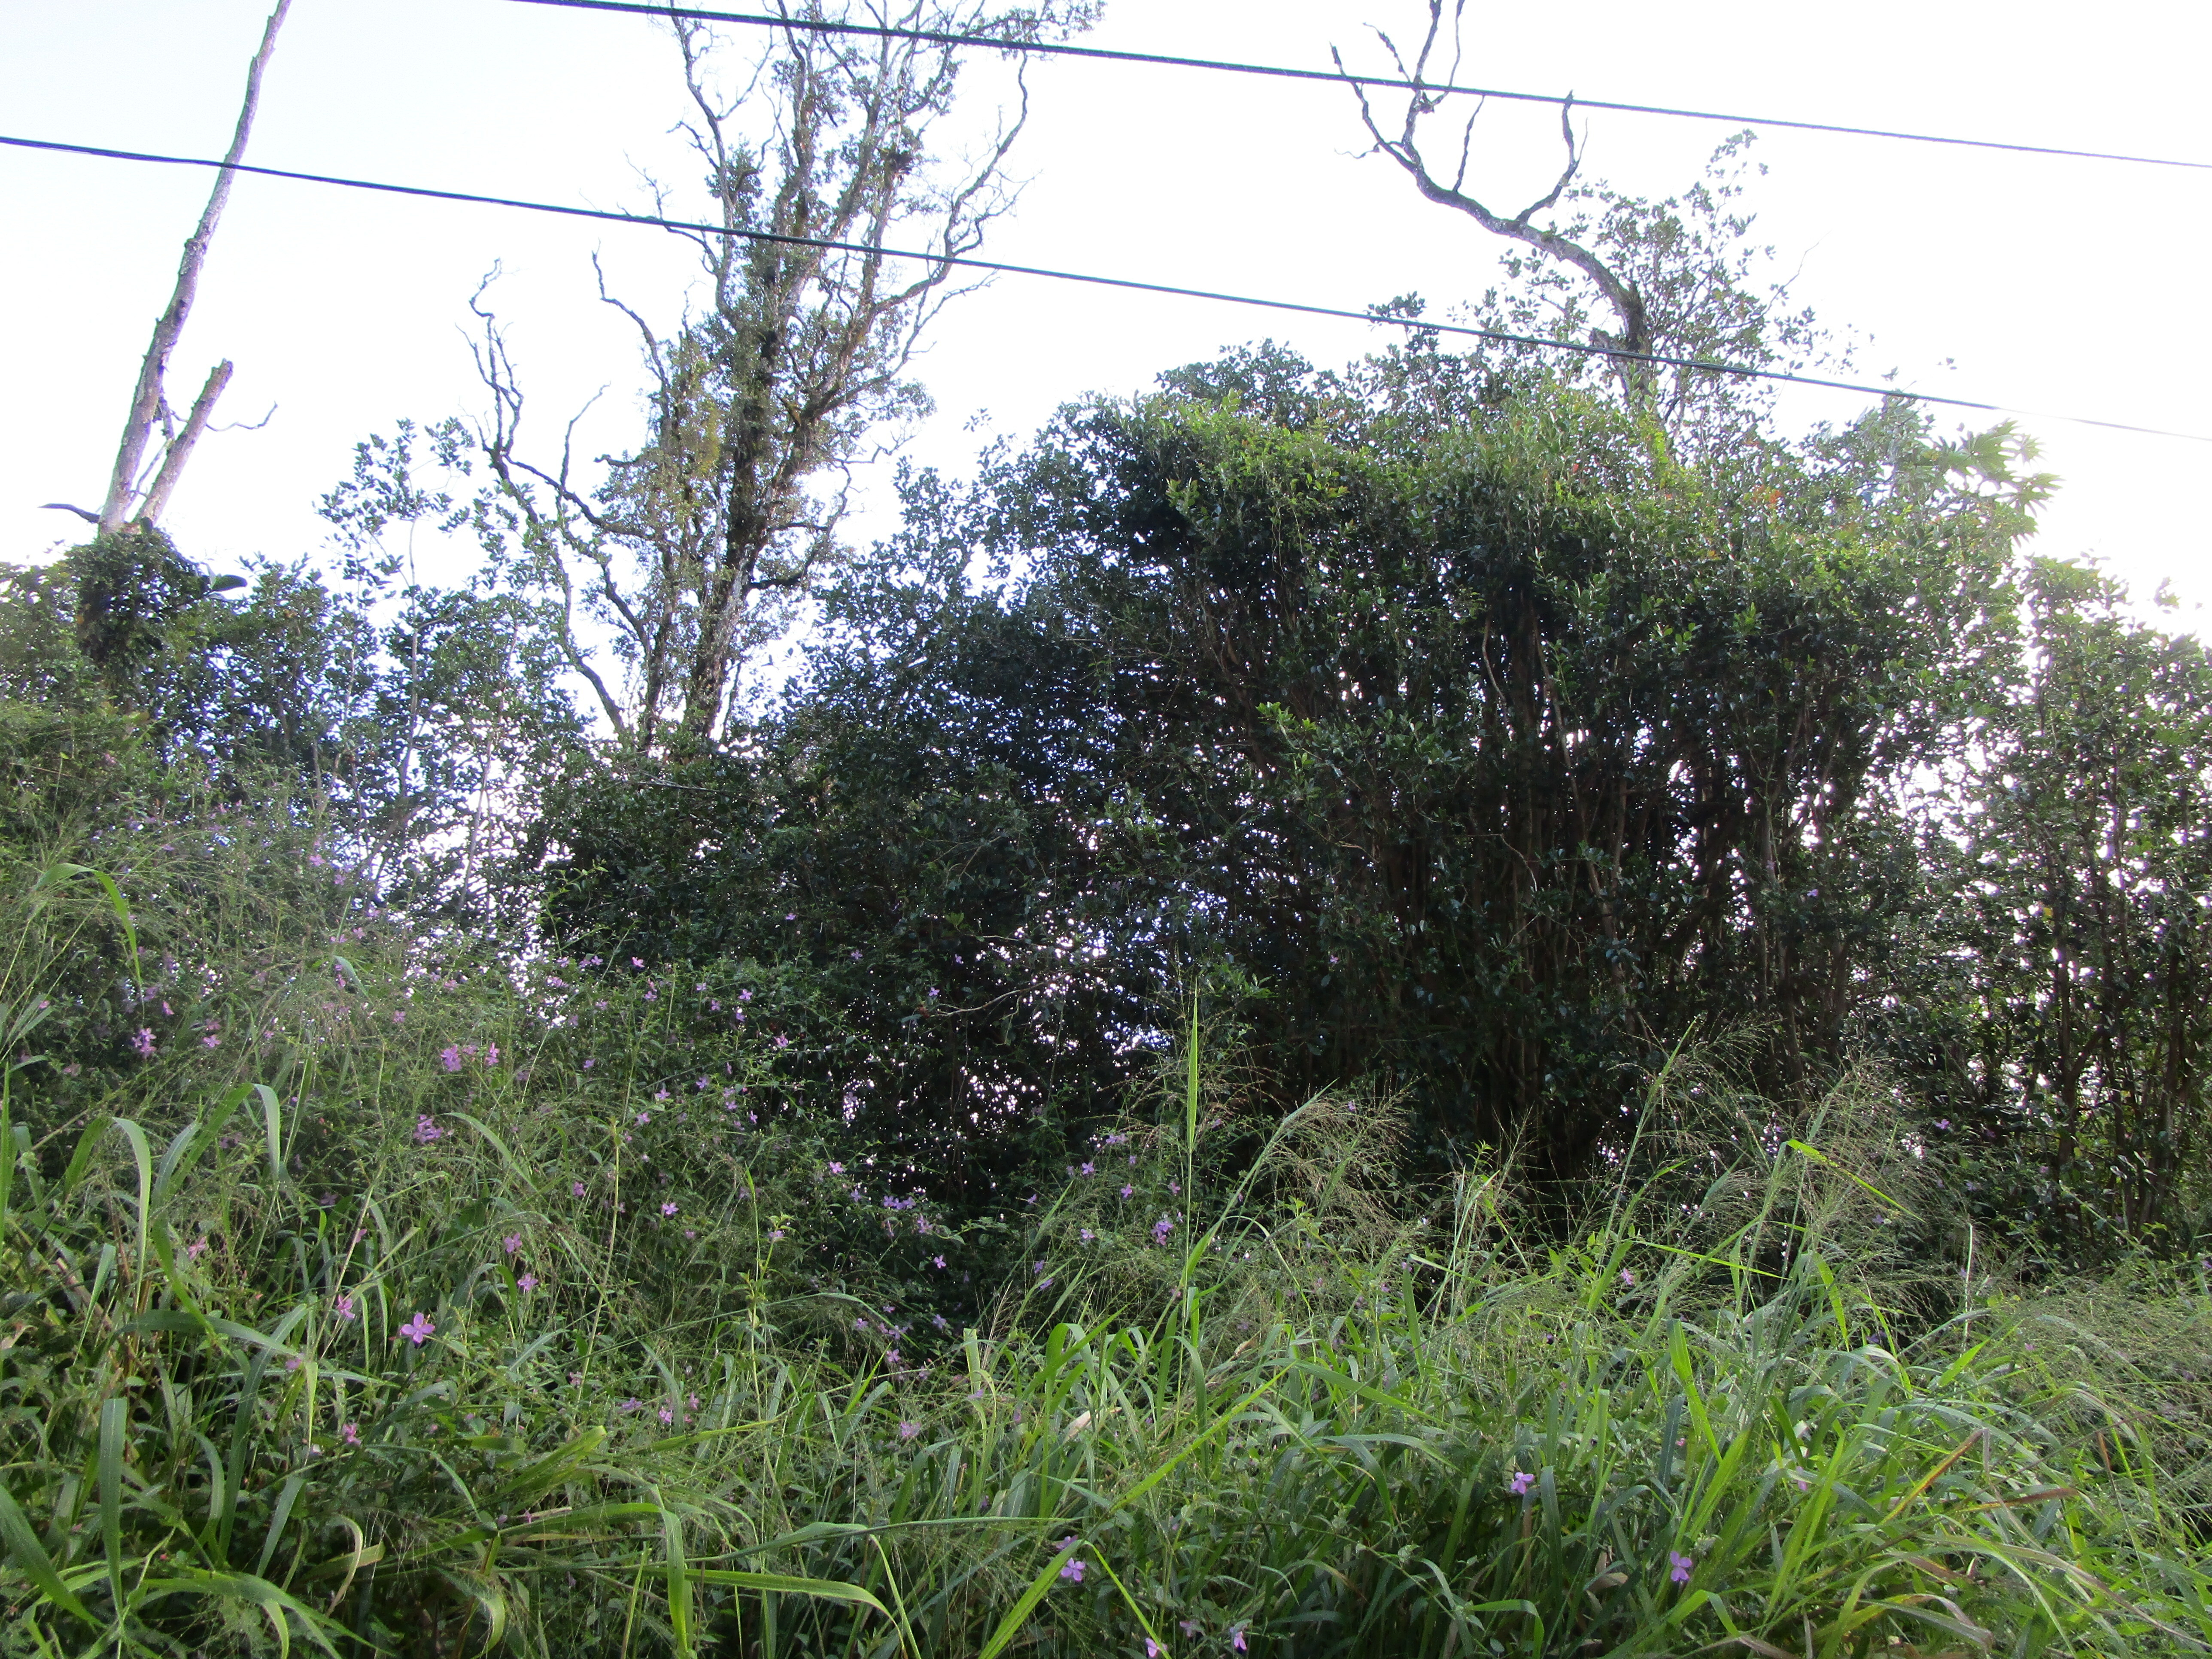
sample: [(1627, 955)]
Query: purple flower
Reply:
[(195, 1249), (343, 1308), (576, 1187), (661, 1095), (937, 1261), (1161, 1229), (1236, 1638), (836, 1169), (527, 1282), (451, 1056), (513, 1242), (417, 1330), (666, 1415), (782, 1041), (669, 1208), (1072, 1570), (1679, 1566), (1087, 1170), (350, 1434), (1519, 1485), (144, 1042), (630, 1405), (426, 1129), (1128, 1191), (908, 1431), (1151, 1649), (491, 1054), (644, 1118), (1627, 1276)]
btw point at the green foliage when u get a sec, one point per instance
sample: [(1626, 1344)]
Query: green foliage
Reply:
[(2071, 1059), (1490, 749), (343, 1361)]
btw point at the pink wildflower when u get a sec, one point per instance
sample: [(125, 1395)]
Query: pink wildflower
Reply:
[(450, 1057), (144, 1042), (417, 1330)]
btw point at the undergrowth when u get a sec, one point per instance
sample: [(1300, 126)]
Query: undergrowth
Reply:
[(365, 1302)]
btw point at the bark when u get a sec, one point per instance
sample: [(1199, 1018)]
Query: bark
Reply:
[(149, 404)]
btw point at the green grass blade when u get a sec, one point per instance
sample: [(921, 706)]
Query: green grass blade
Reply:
[(31, 1559), (1018, 1614), (115, 1421)]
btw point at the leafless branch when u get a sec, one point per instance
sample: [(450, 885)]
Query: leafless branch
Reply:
[(1632, 335), (181, 446), (149, 404)]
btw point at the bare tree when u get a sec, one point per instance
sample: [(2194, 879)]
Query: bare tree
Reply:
[(132, 499), (1632, 333), (698, 544), (1672, 278)]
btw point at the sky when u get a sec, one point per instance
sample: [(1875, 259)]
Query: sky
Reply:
[(2048, 284)]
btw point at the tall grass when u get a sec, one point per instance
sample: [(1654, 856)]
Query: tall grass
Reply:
[(425, 1337)]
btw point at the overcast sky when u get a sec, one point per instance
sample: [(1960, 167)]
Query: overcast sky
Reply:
[(2050, 284)]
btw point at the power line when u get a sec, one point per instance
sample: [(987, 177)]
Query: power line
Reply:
[(1228, 66), (968, 262)]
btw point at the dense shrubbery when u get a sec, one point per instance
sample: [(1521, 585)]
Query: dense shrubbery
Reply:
[(1694, 965), (492, 1324)]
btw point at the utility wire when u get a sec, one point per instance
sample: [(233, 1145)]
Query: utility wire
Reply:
[(936, 37), (968, 262)]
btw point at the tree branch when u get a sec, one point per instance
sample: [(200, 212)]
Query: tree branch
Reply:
[(147, 404)]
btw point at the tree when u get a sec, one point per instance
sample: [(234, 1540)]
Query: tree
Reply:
[(699, 542), (131, 497), (2079, 865), (1493, 749), (1674, 275)]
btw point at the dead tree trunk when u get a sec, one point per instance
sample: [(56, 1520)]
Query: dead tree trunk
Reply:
[(149, 406)]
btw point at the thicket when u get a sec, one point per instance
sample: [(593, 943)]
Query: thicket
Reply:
[(1347, 1013)]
